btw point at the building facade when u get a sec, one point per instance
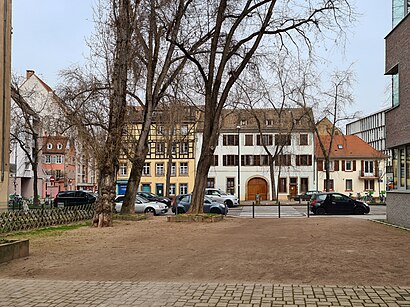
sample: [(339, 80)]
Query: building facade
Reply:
[(5, 75), (397, 64), (171, 142), (289, 132), (372, 130), (356, 168)]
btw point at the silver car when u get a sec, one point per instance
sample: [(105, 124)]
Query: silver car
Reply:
[(142, 206), (222, 197)]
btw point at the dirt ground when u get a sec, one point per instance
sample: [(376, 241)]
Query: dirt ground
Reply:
[(317, 251)]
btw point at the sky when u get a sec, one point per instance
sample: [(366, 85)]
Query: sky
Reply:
[(49, 35)]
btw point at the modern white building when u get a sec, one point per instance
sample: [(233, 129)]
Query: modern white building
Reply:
[(240, 137), (372, 130)]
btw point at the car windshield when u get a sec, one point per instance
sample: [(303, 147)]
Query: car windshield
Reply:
[(321, 197)]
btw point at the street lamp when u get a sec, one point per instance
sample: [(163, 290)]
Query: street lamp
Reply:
[(238, 128)]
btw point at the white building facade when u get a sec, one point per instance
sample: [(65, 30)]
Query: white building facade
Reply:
[(241, 163)]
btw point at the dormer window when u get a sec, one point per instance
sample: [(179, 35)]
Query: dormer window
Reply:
[(340, 146), (59, 146), (244, 122), (49, 146), (269, 122)]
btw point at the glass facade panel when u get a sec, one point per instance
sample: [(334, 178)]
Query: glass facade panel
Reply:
[(398, 11), (402, 171), (395, 167), (395, 90), (408, 168)]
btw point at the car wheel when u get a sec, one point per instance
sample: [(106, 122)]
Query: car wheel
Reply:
[(180, 211), (215, 211), (320, 211), (150, 210), (228, 203), (359, 211)]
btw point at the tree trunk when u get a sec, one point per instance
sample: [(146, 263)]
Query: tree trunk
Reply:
[(103, 206), (198, 194), (327, 166), (169, 168), (272, 179)]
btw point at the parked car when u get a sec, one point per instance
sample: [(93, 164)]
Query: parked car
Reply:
[(152, 197), (336, 203), (183, 202), (73, 198), (305, 195), (222, 197), (142, 205)]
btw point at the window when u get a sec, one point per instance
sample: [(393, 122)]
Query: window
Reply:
[(244, 122), (59, 146), (282, 185), (304, 160), (49, 146), (210, 183), (349, 185), (283, 140), (184, 129), (47, 159), (159, 169), (183, 168), (230, 160), (267, 139), (215, 161), (123, 169), (269, 122), (184, 148), (59, 159), (369, 185), (230, 186), (183, 188), (330, 184), (395, 90), (283, 160), (160, 130), (174, 148), (265, 160), (348, 166), (173, 169), (304, 185), (303, 140), (172, 189), (146, 170), (249, 140), (368, 168), (160, 147), (230, 140)]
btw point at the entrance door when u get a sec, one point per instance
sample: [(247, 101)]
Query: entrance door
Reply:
[(257, 186), (160, 189), (293, 187)]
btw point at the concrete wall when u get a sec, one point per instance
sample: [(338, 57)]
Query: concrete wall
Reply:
[(398, 208)]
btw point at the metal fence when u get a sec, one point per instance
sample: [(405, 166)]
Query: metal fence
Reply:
[(31, 219)]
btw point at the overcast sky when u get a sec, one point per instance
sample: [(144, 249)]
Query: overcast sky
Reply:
[(49, 35)]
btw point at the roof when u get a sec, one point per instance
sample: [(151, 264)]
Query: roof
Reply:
[(347, 146), (54, 140), (279, 120)]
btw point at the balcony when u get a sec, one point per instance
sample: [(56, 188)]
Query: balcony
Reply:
[(373, 175)]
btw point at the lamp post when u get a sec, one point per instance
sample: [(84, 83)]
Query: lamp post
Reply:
[(238, 128)]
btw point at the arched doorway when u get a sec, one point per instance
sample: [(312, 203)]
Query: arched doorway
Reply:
[(257, 186)]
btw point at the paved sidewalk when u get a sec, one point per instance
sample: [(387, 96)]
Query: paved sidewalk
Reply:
[(38, 293)]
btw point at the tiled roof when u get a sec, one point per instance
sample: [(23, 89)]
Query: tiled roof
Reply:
[(347, 146), (54, 140), (282, 120)]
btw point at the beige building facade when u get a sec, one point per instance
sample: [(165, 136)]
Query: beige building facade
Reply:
[(5, 73)]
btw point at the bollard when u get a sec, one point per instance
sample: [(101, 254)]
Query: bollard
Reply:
[(253, 209), (308, 212), (279, 209)]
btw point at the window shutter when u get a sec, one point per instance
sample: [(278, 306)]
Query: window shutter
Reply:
[(376, 168), (298, 160), (320, 165), (343, 165), (362, 168), (354, 165), (309, 160), (336, 165)]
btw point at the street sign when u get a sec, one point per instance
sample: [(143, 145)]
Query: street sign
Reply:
[(52, 179)]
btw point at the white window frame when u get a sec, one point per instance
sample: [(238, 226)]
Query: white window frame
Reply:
[(59, 159), (146, 169), (184, 129), (172, 189), (184, 148), (183, 168), (348, 162), (183, 188), (49, 146), (368, 166), (159, 169), (123, 170), (59, 146)]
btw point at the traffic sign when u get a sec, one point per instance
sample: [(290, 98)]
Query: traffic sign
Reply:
[(52, 179)]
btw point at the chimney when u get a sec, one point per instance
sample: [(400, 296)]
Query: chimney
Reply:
[(29, 73)]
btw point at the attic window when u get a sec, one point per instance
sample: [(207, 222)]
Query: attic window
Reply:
[(244, 122), (49, 146), (59, 146), (340, 146), (269, 122)]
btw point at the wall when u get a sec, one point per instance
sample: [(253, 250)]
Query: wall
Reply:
[(398, 208)]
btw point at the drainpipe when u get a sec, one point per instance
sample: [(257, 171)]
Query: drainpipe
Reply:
[(3, 120)]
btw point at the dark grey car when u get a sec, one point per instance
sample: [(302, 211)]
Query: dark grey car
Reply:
[(183, 203)]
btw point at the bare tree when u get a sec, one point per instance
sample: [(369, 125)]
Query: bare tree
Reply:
[(237, 30)]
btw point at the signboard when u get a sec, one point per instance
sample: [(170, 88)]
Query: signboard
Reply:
[(52, 179)]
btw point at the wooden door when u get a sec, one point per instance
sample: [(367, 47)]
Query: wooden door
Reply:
[(257, 186)]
